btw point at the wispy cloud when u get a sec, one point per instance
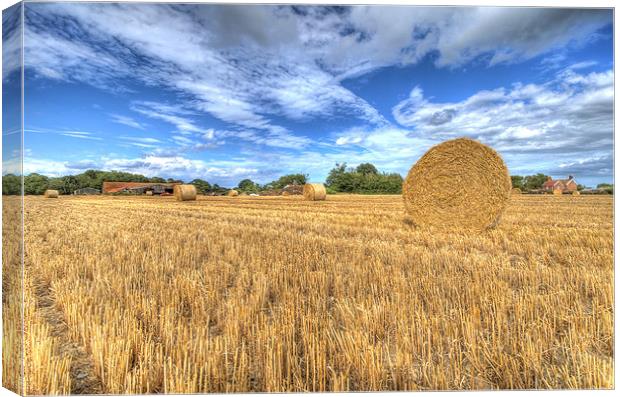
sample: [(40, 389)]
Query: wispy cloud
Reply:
[(65, 132), (142, 142), (128, 121), (11, 41), (536, 118), (80, 135), (172, 114)]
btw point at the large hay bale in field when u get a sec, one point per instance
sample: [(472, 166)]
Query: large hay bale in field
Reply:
[(458, 184), (557, 192), (315, 191), (576, 193), (149, 192), (232, 193), (185, 192), (51, 193), (285, 193), (515, 190)]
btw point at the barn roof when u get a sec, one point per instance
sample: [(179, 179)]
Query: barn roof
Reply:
[(115, 187)]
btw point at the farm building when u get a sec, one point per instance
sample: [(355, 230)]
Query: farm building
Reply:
[(565, 185), (86, 191), (138, 187), (293, 189)]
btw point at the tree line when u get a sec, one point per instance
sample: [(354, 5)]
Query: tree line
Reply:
[(365, 179), (533, 182), (37, 184)]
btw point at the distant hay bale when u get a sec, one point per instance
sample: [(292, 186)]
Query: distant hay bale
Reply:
[(557, 192), (515, 190), (285, 193), (233, 193), (576, 193), (458, 184), (315, 191), (51, 193), (184, 192), (149, 192)]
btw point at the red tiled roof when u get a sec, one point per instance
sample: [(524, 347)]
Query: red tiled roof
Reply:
[(115, 187), (551, 183)]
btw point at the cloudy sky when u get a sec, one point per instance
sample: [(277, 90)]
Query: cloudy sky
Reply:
[(228, 92)]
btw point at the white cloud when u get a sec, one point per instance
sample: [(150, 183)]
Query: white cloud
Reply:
[(197, 138), (128, 121), (70, 133), (11, 41), (246, 85), (380, 36), (347, 140), (143, 142), (571, 113), (279, 62)]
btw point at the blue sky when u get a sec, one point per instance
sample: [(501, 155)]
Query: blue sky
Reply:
[(231, 92)]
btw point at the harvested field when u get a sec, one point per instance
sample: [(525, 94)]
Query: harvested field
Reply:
[(143, 295)]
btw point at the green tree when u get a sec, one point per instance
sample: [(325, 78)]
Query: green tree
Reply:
[(202, 186), (367, 169), (534, 181), (247, 185), (342, 179), (517, 181), (609, 187), (56, 184), (290, 179), (11, 184), (35, 183), (348, 180), (70, 183)]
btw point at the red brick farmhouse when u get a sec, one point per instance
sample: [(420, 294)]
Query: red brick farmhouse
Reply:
[(565, 185)]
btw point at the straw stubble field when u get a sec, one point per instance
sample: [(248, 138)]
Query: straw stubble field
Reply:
[(143, 295)]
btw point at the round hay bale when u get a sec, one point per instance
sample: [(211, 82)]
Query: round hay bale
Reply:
[(314, 191), (515, 190), (285, 193), (557, 192), (51, 193), (576, 193), (184, 192), (233, 193), (458, 184), (149, 192)]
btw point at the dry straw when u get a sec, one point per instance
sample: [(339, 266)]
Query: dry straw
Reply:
[(516, 190), (557, 192), (314, 191), (233, 193), (576, 193), (185, 192), (51, 193), (458, 184)]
